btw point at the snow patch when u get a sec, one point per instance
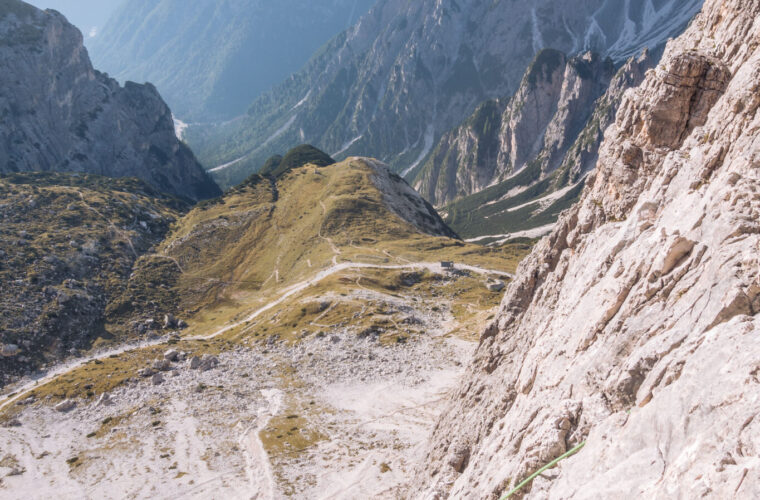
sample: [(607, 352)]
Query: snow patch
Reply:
[(179, 127), (272, 137), (546, 200), (279, 131), (302, 101), (229, 164)]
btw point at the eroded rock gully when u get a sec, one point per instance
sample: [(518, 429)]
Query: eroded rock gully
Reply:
[(633, 325)]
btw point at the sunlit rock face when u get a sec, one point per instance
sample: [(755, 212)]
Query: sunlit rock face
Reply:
[(633, 325), (59, 114)]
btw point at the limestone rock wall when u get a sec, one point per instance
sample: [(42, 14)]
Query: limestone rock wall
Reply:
[(59, 114), (633, 325)]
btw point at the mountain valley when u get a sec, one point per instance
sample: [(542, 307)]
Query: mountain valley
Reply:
[(472, 249), (211, 61), (406, 73), (351, 298)]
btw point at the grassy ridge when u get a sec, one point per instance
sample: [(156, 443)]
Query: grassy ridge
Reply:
[(223, 260), (265, 235)]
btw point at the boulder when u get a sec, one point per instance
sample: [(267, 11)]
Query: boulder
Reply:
[(495, 286), (145, 372), (169, 321), (66, 405), (204, 363), (171, 355), (157, 379), (209, 362), (162, 365), (9, 350), (27, 401)]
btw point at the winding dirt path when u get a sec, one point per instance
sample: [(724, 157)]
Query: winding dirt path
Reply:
[(260, 476), (286, 294)]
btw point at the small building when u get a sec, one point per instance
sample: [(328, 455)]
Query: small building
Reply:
[(495, 285), (447, 264)]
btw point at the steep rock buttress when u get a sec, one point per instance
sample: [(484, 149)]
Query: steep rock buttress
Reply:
[(633, 325)]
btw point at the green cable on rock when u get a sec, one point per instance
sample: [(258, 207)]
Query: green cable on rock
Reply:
[(542, 469)]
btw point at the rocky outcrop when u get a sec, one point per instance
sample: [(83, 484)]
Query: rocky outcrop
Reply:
[(408, 72), (515, 167), (67, 246), (58, 114), (403, 201), (633, 325), (536, 126)]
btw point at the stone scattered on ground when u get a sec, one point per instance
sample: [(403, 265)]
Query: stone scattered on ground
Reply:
[(9, 350), (208, 362), (105, 400), (162, 365), (66, 405), (170, 321)]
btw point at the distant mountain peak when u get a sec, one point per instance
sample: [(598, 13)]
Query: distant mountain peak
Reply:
[(90, 123), (393, 84)]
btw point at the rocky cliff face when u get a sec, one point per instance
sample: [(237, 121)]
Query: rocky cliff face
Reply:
[(515, 165), (409, 71), (633, 325), (58, 114), (538, 124)]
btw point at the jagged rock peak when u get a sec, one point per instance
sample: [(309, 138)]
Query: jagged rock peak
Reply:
[(558, 147), (503, 136), (408, 72), (633, 326), (59, 114)]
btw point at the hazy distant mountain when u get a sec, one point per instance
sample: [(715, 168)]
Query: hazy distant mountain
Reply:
[(211, 58), (88, 15), (410, 71), (59, 114)]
